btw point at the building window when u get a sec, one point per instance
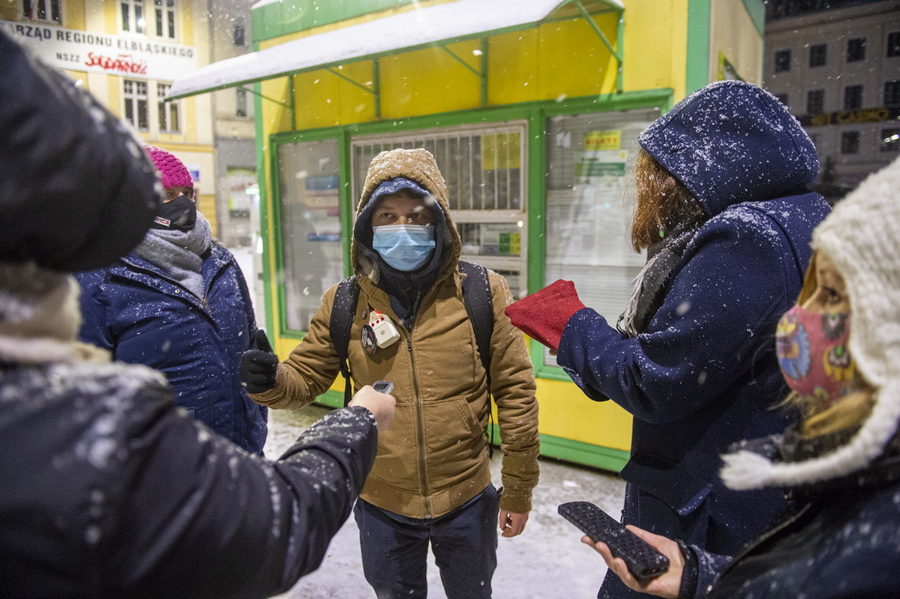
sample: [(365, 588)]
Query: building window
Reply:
[(818, 55), (856, 49), (892, 93), (890, 140), (783, 98), (42, 10), (850, 142), (133, 16), (815, 101), (853, 97), (238, 33), (165, 18), (135, 100), (893, 43), (782, 61), (241, 102), (168, 111)]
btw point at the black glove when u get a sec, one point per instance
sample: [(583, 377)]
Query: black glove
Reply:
[(258, 366)]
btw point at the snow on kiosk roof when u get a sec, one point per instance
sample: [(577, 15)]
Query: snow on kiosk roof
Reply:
[(425, 27)]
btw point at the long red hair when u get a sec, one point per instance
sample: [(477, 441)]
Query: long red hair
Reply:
[(662, 202)]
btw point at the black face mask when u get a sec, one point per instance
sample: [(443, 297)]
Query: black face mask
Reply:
[(179, 215)]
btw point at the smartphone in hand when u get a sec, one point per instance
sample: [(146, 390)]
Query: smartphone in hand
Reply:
[(383, 386), (643, 560)]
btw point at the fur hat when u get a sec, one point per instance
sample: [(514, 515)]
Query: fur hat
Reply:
[(732, 142), (171, 170), (861, 236)]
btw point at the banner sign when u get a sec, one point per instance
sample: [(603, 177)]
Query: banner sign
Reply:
[(76, 50)]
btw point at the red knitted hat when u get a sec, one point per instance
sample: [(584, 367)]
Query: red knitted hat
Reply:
[(171, 170)]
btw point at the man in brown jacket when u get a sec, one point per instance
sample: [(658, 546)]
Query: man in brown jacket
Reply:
[(431, 481)]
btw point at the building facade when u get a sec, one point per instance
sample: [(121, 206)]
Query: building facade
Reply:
[(838, 70)]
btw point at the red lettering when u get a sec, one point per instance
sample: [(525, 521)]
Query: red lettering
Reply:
[(122, 63)]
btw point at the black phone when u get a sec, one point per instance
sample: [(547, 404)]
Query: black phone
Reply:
[(643, 560), (383, 386)]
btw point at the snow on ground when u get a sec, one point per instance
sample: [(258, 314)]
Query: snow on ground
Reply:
[(546, 561)]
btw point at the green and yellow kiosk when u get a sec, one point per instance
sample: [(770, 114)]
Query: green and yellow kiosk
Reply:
[(532, 109)]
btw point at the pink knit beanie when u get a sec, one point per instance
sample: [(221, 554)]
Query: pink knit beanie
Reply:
[(171, 170)]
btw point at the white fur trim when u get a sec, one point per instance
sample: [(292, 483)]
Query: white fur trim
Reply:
[(861, 236)]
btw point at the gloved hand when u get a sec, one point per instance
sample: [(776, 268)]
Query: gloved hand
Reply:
[(258, 366), (543, 315)]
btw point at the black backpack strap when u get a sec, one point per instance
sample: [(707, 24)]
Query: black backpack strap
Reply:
[(342, 312), (477, 296)]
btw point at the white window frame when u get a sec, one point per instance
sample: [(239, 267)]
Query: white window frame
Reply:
[(167, 110), (131, 97), (48, 7), (165, 18)]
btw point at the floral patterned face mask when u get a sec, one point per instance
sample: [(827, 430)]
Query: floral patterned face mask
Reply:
[(813, 354)]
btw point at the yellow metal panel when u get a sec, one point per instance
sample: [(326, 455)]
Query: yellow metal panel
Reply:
[(426, 82), (656, 45), (733, 34), (323, 99), (512, 67), (566, 412), (572, 57)]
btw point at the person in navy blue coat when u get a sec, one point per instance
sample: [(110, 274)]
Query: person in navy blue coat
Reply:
[(725, 214), (838, 348), (179, 303)]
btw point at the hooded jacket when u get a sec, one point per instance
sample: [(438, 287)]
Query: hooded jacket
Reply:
[(434, 457), (141, 315), (704, 374)]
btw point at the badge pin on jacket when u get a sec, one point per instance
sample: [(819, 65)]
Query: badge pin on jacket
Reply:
[(386, 333)]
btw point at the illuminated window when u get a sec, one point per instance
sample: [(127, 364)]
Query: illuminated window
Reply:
[(890, 140), (133, 15), (42, 10), (134, 98), (165, 18)]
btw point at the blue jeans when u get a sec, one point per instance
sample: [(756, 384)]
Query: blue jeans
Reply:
[(464, 542)]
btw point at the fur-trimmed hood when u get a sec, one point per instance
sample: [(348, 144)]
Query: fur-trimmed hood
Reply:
[(417, 165), (40, 317), (861, 236)]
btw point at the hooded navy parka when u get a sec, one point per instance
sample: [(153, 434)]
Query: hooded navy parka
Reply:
[(704, 373)]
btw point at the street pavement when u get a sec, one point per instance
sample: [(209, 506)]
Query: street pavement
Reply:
[(547, 561)]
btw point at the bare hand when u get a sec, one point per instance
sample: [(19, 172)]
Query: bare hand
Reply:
[(512, 524), (666, 585), (380, 404)]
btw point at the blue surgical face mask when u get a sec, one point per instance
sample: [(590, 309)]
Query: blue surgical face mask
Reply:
[(404, 247)]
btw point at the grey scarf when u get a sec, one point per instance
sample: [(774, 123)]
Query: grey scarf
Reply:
[(647, 291), (178, 253)]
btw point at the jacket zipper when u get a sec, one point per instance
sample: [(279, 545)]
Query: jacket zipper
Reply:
[(420, 432)]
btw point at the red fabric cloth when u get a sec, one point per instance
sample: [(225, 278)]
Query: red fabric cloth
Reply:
[(543, 315)]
